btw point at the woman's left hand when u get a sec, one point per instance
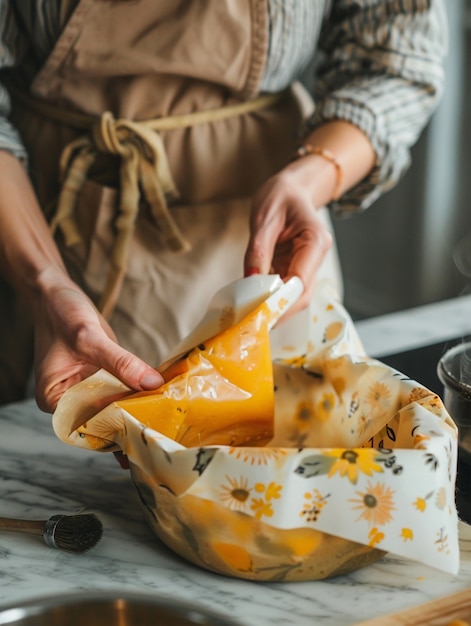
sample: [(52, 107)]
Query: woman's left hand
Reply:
[(287, 237)]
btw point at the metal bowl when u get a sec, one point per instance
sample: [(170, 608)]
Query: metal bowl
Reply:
[(454, 371), (113, 609)]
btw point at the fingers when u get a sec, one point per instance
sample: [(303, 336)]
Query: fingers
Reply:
[(260, 250), (267, 221), (58, 371), (287, 236), (72, 341), (130, 369), (54, 377), (308, 252), (96, 343)]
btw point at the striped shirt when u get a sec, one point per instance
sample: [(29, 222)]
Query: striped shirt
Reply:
[(375, 63)]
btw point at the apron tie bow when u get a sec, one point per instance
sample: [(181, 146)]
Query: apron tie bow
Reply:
[(144, 172)]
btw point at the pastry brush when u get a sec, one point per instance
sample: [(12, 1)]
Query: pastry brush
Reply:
[(72, 533)]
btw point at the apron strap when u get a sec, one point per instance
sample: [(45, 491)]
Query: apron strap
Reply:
[(144, 172)]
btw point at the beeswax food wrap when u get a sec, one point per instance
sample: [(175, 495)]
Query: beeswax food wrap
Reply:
[(280, 454)]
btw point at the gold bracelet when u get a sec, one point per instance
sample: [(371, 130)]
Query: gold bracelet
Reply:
[(306, 149)]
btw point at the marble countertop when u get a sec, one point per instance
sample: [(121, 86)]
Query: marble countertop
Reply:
[(40, 476)]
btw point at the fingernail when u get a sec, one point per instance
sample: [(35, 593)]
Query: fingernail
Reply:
[(151, 381), (251, 271)]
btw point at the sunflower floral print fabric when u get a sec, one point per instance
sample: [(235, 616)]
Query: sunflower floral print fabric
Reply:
[(362, 461)]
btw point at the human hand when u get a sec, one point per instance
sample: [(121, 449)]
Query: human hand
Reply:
[(72, 340), (287, 237)]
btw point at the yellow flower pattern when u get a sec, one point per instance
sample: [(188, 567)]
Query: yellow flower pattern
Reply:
[(257, 456), (420, 504), (313, 506), (375, 537), (376, 504), (379, 397), (407, 534), (350, 463), (262, 506), (236, 493)]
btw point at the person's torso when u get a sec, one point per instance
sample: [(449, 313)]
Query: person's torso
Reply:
[(141, 60), (293, 32)]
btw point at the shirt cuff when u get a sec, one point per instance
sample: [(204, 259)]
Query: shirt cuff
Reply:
[(10, 141), (392, 160)]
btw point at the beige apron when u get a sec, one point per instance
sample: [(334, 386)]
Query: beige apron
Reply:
[(143, 60)]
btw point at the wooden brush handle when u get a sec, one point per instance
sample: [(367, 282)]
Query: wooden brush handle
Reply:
[(452, 610), (34, 527)]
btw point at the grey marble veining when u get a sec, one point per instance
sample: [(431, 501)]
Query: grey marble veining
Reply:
[(40, 476)]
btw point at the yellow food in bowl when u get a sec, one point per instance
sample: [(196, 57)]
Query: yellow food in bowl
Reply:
[(220, 393)]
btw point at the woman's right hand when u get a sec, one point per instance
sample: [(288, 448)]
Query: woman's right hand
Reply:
[(73, 340)]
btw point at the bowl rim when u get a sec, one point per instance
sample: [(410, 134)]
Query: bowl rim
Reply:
[(447, 377), (41, 604)]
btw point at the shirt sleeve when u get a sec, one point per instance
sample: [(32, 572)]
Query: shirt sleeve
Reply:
[(12, 48), (382, 70)]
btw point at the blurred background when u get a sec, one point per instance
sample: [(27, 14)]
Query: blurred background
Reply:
[(413, 246)]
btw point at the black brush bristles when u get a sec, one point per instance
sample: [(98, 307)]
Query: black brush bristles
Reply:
[(73, 533)]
